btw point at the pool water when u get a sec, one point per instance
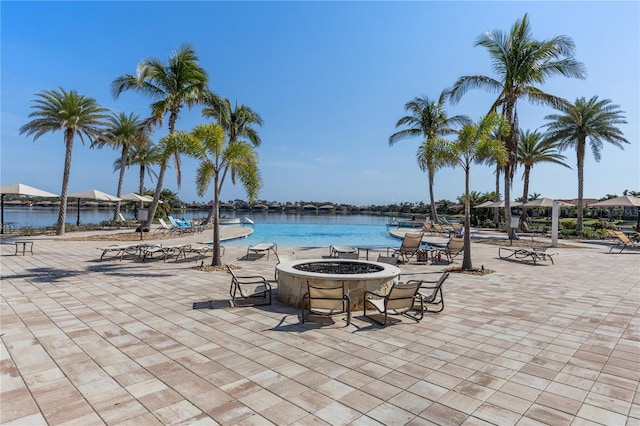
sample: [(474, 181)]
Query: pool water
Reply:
[(318, 231)]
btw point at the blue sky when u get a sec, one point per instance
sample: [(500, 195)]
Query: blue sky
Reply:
[(330, 80)]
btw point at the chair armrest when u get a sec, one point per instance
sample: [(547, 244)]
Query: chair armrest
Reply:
[(373, 293)]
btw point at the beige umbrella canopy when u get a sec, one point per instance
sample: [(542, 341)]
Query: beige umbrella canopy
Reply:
[(20, 189), (483, 205), (132, 196), (92, 194), (624, 201), (545, 202), (501, 204)]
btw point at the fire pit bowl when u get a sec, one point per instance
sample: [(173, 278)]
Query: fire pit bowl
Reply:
[(357, 276)]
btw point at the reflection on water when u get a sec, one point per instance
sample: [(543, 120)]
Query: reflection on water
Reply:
[(40, 217)]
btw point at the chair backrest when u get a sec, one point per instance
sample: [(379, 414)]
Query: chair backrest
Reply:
[(173, 221), (163, 224), (455, 245), (457, 227), (426, 227), (437, 286), (411, 242), (343, 255), (401, 297), (623, 237), (437, 227), (391, 260), (121, 217), (330, 298)]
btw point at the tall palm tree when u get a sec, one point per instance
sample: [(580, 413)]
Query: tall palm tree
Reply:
[(74, 115), (171, 86), (533, 149), (238, 123), (474, 145), (122, 132), (594, 121), (144, 154), (236, 160), (521, 63), (430, 120)]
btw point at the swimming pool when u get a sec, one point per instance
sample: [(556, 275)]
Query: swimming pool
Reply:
[(318, 231)]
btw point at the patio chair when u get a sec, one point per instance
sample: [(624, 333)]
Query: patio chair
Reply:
[(283, 258), (438, 229), (261, 248), (180, 225), (410, 245), (623, 241), (119, 250), (164, 228), (454, 247), (427, 228), (249, 287), (326, 301), (391, 260), (431, 292), (400, 300)]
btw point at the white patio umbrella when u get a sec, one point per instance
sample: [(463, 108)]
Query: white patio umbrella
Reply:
[(132, 196), (623, 201), (20, 189), (502, 203), (92, 194), (546, 202)]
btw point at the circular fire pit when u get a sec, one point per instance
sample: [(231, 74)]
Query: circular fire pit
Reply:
[(357, 276)]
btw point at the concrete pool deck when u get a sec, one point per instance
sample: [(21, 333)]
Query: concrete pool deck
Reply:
[(86, 341)]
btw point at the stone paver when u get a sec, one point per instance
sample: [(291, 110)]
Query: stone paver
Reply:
[(85, 341)]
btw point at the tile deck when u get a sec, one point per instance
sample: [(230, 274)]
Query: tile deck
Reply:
[(85, 341)]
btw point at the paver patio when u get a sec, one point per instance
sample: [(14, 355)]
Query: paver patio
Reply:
[(86, 342)]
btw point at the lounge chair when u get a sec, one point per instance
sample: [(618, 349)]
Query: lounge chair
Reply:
[(324, 300), (623, 241), (522, 253), (261, 248), (348, 255), (454, 247), (249, 287), (202, 251), (164, 228), (183, 227), (400, 300), (335, 251), (119, 250), (427, 228), (177, 250), (410, 245), (438, 229), (431, 292)]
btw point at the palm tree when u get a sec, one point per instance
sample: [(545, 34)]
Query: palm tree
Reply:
[(429, 119), (474, 145), (593, 120), (237, 123), (73, 114), (122, 132), (237, 160), (144, 154), (533, 149), (520, 62), (171, 86)]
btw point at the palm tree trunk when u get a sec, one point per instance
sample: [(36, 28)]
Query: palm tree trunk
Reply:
[(507, 205), (156, 198), (215, 261), (580, 152), (62, 213), (123, 158), (525, 192), (466, 260), (433, 212), (496, 213)]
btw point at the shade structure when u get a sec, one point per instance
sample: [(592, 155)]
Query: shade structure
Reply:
[(19, 189), (132, 196), (502, 203), (546, 202), (92, 194), (484, 205), (623, 201)]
